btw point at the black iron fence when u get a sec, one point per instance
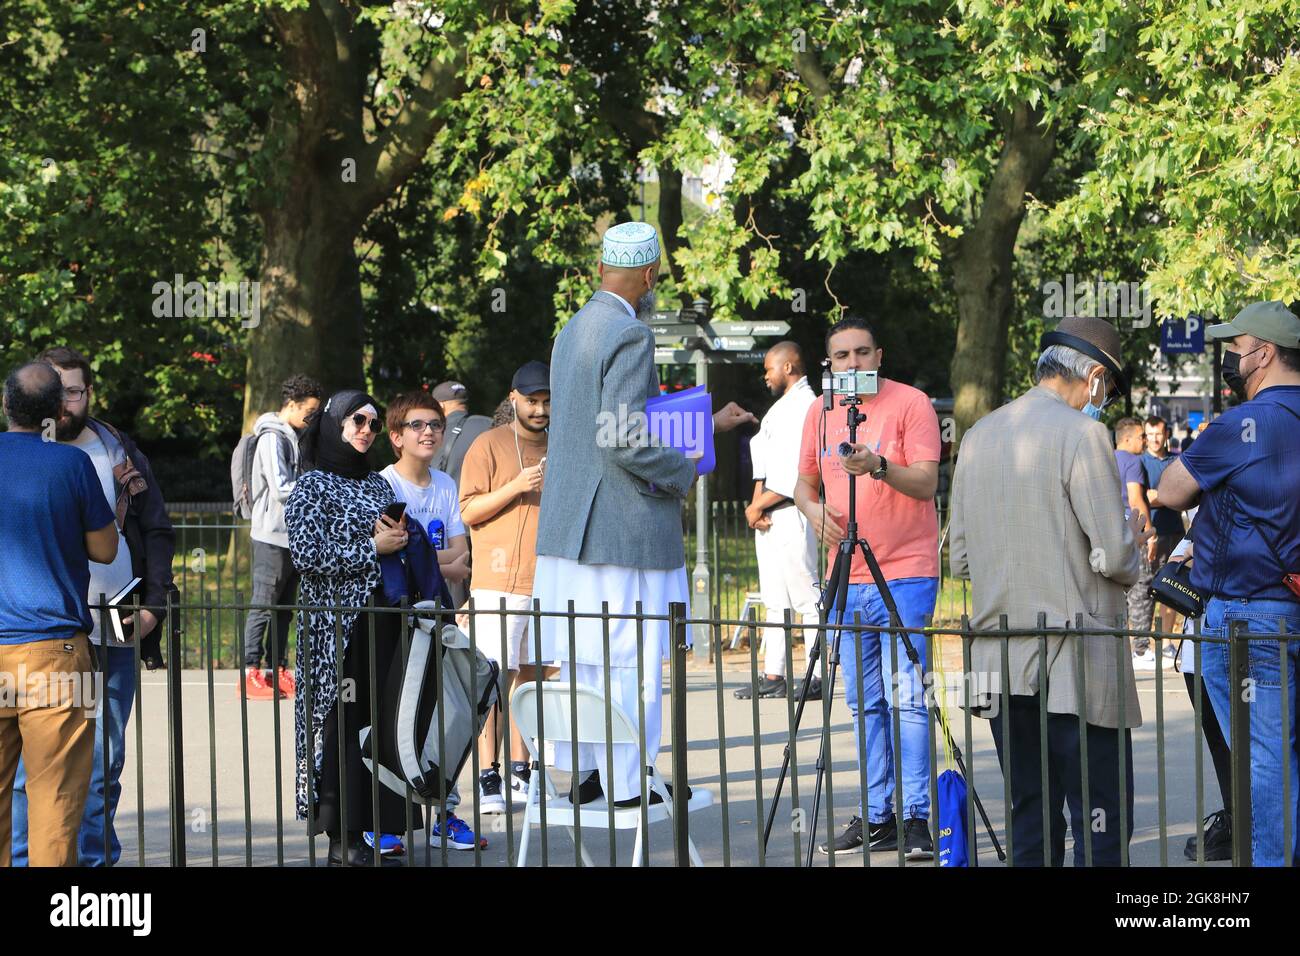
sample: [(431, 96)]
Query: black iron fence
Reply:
[(214, 560), (209, 773)]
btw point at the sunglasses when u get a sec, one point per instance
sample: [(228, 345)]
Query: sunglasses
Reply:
[(418, 425), (361, 421)]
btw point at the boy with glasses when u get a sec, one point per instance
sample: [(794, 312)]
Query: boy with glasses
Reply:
[(416, 424)]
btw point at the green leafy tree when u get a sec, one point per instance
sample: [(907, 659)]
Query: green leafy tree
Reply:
[(1200, 134)]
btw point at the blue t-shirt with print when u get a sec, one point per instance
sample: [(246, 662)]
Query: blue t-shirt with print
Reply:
[(52, 498), (1247, 464)]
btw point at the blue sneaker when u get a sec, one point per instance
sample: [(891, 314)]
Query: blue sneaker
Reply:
[(388, 843), (459, 835)]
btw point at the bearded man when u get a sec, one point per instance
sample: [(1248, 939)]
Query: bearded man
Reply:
[(146, 545), (610, 522)]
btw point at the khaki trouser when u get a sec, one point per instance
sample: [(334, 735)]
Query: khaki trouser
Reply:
[(47, 700)]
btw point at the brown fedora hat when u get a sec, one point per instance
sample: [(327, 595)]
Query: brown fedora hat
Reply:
[(1095, 338)]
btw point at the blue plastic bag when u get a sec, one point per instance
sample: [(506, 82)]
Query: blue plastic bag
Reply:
[(952, 819)]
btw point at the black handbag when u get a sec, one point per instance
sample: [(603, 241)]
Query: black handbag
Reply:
[(1172, 587)]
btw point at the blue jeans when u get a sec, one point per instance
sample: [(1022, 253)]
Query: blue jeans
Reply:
[(1272, 746), (119, 696), (915, 598)]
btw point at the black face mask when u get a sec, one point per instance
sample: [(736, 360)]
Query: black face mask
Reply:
[(1230, 367)]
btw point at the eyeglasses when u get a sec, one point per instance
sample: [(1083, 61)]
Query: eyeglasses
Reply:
[(74, 394), (361, 421), (418, 425)]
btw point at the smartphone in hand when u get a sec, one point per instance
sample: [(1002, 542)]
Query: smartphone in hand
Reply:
[(395, 511)]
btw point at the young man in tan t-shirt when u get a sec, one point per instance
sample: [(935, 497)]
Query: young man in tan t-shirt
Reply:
[(500, 492)]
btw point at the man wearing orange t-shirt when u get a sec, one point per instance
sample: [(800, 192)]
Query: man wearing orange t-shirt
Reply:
[(895, 463)]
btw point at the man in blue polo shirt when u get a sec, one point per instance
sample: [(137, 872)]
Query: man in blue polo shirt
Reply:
[(53, 523), (1245, 470)]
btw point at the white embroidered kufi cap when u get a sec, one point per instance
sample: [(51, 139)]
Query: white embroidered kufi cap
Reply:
[(630, 244)]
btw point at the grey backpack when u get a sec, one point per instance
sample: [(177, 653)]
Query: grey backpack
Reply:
[(427, 730)]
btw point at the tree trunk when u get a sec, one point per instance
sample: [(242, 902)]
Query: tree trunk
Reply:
[(332, 177), (981, 263), (311, 319), (670, 216)]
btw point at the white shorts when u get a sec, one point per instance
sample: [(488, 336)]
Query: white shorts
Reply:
[(487, 626)]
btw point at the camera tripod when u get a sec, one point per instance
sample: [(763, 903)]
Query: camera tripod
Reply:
[(837, 588)]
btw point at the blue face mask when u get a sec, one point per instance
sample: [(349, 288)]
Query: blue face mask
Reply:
[(1094, 411)]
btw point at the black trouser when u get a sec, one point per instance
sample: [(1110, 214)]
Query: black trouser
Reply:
[(1100, 815), (275, 581), (1214, 739), (356, 715)]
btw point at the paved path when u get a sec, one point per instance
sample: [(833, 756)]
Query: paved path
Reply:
[(225, 789)]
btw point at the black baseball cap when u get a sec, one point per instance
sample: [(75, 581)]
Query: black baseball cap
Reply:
[(532, 377)]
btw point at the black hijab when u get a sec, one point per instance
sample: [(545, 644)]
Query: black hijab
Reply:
[(322, 446)]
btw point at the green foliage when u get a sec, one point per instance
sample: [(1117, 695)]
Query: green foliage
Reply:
[(864, 139), (1201, 134), (108, 185)]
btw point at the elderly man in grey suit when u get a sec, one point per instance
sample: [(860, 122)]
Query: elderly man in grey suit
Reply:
[(1037, 526), (610, 526)]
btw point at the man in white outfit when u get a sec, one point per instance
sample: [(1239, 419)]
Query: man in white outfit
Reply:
[(783, 539), (610, 522)]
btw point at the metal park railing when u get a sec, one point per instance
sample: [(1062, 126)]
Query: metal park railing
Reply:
[(209, 780)]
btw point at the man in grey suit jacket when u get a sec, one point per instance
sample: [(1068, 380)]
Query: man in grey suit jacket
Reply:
[(610, 527)]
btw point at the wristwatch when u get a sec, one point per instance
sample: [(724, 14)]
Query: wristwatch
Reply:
[(879, 473)]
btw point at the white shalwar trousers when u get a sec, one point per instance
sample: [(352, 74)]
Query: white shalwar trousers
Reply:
[(629, 763), (560, 580), (787, 580)]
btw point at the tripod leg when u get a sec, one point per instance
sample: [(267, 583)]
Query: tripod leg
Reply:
[(838, 585), (785, 760), (895, 620), (832, 665)]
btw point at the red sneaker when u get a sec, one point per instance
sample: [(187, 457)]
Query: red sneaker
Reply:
[(256, 686), (284, 677)]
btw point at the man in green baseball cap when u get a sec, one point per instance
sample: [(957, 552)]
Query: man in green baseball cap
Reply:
[(1270, 332), (1242, 471)]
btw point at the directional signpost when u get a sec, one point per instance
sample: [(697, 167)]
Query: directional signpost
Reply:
[(733, 343), (689, 338)]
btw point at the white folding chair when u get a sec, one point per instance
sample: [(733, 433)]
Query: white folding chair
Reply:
[(753, 599), (557, 718)]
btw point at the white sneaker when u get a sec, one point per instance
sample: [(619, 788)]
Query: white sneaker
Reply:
[(1146, 661), (490, 798), (519, 784)]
